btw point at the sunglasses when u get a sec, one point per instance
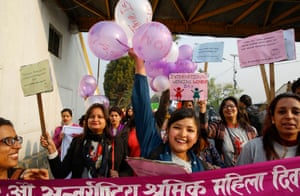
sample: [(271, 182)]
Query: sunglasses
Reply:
[(10, 141)]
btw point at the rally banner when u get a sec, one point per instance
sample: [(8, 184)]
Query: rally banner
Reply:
[(273, 177)]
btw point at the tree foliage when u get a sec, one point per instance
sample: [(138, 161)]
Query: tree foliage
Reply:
[(217, 92), (118, 81)]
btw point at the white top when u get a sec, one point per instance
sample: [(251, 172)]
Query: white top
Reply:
[(186, 164), (232, 138), (253, 152)]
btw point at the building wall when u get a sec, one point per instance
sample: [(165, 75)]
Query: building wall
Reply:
[(24, 40)]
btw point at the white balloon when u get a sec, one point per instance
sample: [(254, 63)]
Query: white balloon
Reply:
[(131, 14), (96, 99), (172, 56), (161, 83)]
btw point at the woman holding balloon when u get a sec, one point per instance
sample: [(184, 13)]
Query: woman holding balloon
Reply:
[(182, 129)]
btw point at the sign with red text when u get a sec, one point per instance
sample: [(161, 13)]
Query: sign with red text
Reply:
[(262, 49), (281, 177), (188, 86)]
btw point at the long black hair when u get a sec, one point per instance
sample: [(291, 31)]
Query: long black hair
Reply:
[(240, 118)]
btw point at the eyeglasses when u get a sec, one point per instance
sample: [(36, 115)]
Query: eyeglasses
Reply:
[(10, 141), (229, 106)]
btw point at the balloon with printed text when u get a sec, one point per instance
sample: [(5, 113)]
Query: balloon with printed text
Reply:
[(131, 14), (107, 40), (152, 41)]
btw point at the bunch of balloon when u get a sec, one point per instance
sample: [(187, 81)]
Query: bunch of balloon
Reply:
[(178, 60), (150, 40)]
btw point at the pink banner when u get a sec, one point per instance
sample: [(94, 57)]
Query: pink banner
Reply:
[(274, 178), (188, 86), (262, 49)]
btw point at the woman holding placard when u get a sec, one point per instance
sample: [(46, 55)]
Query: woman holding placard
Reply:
[(93, 154), (230, 133)]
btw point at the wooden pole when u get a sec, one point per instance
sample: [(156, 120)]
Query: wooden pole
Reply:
[(41, 112), (265, 81), (205, 67), (272, 81)]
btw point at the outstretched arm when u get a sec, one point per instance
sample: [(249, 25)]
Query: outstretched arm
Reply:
[(147, 133)]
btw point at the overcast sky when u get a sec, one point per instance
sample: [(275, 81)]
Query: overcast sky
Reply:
[(248, 79)]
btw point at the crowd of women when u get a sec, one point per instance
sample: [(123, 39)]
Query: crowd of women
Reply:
[(181, 137)]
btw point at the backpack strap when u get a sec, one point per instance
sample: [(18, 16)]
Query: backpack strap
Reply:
[(17, 173)]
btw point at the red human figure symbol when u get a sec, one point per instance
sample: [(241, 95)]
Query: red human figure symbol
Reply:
[(178, 94)]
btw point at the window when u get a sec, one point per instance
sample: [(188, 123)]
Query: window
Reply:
[(54, 42)]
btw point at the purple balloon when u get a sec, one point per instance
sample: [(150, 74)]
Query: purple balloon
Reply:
[(152, 41), (157, 68), (185, 52), (87, 86), (184, 66), (96, 99), (107, 40)]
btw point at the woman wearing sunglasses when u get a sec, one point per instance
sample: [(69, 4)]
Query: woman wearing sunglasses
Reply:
[(10, 144)]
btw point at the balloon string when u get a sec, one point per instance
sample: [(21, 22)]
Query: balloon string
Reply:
[(126, 46)]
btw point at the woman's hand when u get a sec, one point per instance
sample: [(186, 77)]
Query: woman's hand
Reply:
[(202, 106), (139, 63), (35, 174), (114, 173), (47, 142)]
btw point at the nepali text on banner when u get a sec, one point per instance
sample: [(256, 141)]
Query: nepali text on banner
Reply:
[(274, 177)]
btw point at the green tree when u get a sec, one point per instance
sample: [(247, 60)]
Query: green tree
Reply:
[(118, 81), (217, 92)]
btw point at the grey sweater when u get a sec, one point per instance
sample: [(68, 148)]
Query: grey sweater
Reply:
[(253, 152)]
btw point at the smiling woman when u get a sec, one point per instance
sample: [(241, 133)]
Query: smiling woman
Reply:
[(92, 154), (10, 144), (280, 137), (182, 129)]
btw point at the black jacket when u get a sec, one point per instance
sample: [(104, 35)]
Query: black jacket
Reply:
[(75, 162)]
